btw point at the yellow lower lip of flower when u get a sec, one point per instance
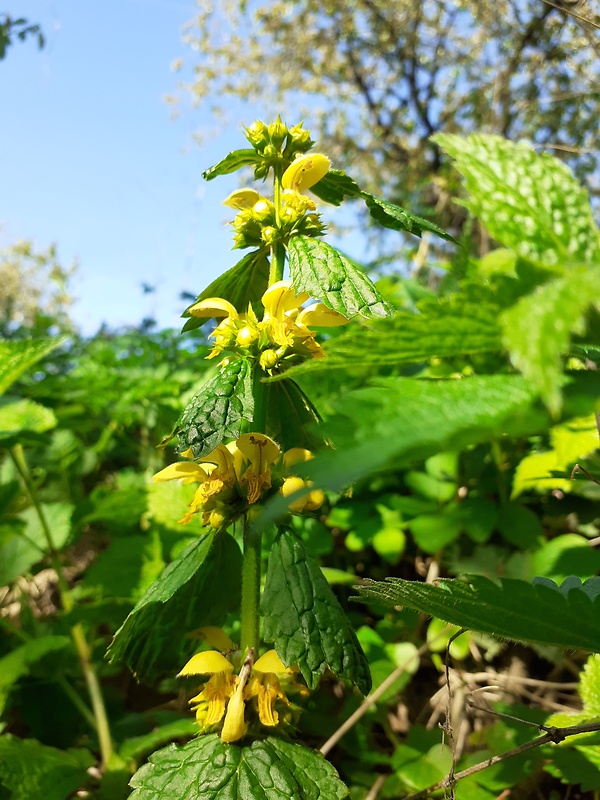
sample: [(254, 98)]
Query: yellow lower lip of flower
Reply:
[(234, 726)]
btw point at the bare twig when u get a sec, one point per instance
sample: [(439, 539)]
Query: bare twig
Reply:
[(572, 14), (376, 788), (578, 468)]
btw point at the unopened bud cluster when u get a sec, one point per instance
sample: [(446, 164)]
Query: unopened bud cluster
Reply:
[(277, 143)]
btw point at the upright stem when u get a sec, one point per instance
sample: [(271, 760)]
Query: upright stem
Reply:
[(277, 248), (77, 633), (250, 632)]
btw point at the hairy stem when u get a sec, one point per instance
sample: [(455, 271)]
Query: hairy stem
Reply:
[(250, 633)]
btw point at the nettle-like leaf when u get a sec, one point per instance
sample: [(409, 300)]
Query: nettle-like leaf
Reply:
[(335, 186), (16, 357), (209, 769), (537, 330), (305, 622), (231, 163), (199, 588), (244, 283), (439, 330), (534, 613), (527, 201), (29, 769), (218, 411), (323, 272), (20, 417), (397, 218)]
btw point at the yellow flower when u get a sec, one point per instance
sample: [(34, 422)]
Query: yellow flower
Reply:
[(259, 453), (210, 704), (305, 171), (242, 198), (234, 726), (314, 498), (264, 685)]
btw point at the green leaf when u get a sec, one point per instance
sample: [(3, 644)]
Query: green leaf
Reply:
[(336, 186), (208, 769), (199, 588), (58, 516), (19, 662), (537, 330), (244, 283), (18, 356), (218, 411), (30, 769), (292, 419), (439, 330), (231, 163), (529, 202), (18, 417), (134, 748), (327, 275), (538, 612), (397, 218), (304, 620)]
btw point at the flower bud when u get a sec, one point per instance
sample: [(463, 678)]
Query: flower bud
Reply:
[(269, 234), (257, 134), (246, 336), (268, 359), (277, 132)]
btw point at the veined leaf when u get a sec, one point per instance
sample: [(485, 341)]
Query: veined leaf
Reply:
[(534, 613), (304, 620), (537, 330), (327, 275), (397, 218), (30, 769), (217, 411), (209, 769), (527, 201), (17, 356), (439, 330), (231, 163), (244, 283), (199, 588), (335, 186)]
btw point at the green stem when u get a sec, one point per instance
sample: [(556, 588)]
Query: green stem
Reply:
[(277, 248), (250, 632), (77, 634), (260, 392)]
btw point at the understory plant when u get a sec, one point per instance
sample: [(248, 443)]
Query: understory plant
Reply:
[(432, 441)]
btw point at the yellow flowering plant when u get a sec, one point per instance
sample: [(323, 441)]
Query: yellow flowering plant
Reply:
[(244, 439)]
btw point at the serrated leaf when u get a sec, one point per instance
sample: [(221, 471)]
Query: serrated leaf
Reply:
[(19, 355), (437, 331), (198, 588), (533, 613), (218, 411), (527, 201), (537, 330), (397, 218), (231, 163), (292, 419), (209, 769), (244, 283), (19, 661), (30, 769), (22, 416), (335, 186), (305, 622), (340, 283)]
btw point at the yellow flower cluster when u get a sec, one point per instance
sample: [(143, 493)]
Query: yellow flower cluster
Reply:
[(236, 475), (226, 695), (283, 334)]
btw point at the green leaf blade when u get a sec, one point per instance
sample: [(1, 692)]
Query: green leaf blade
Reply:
[(304, 620), (397, 218), (529, 202), (231, 163), (16, 357), (323, 272), (208, 769), (335, 187), (198, 588)]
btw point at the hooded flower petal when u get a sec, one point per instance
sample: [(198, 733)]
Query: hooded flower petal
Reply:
[(280, 298), (242, 198), (185, 471), (260, 451), (305, 171), (208, 662), (213, 307), (319, 315)]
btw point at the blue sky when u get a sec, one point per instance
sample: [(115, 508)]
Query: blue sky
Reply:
[(93, 161)]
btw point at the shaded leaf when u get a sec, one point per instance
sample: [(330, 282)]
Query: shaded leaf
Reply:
[(19, 661), (304, 620), (539, 612), (244, 283), (397, 218), (527, 201), (292, 419), (537, 330), (208, 769), (17, 356), (198, 588), (327, 275), (231, 163), (218, 411), (30, 769)]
